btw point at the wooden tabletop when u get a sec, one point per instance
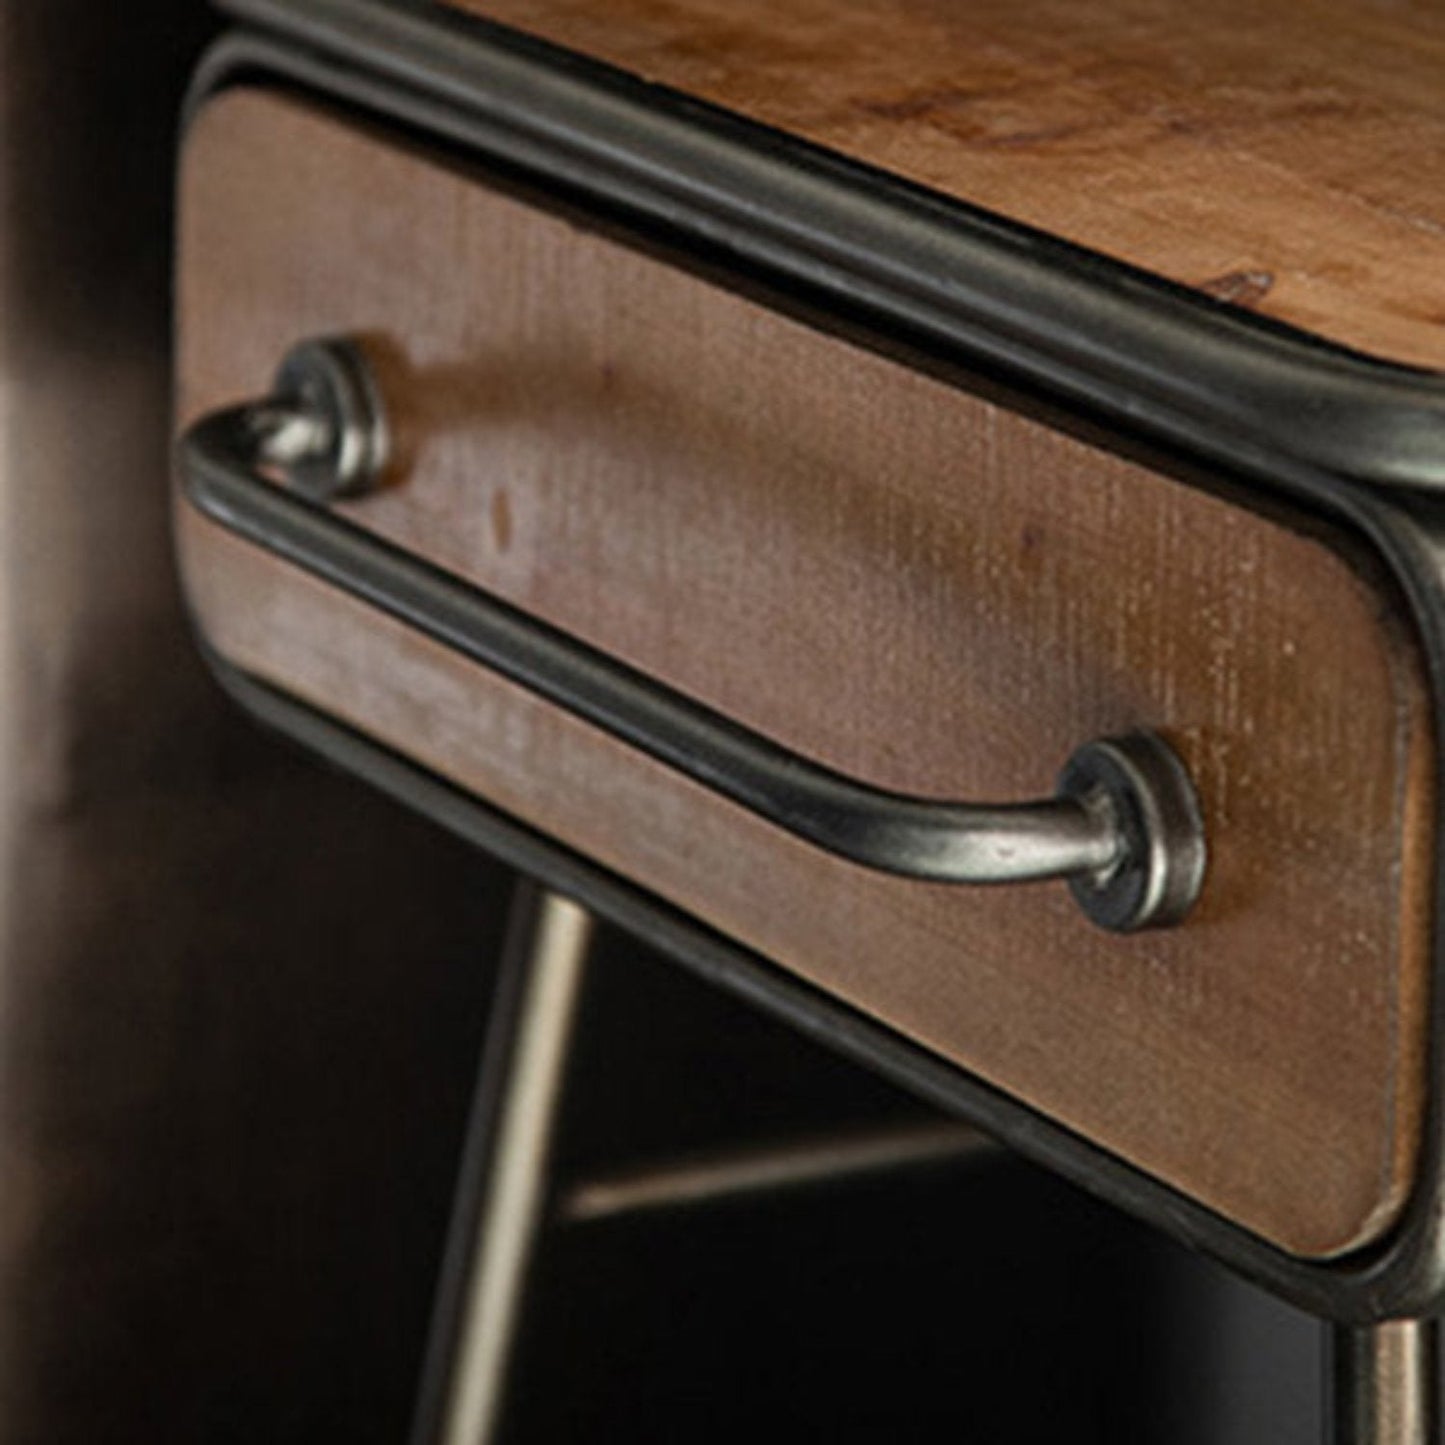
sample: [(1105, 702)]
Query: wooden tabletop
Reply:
[(1281, 155)]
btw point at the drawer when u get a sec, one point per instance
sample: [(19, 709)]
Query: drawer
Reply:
[(922, 575)]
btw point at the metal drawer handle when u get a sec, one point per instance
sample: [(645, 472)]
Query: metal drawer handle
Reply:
[(1124, 827)]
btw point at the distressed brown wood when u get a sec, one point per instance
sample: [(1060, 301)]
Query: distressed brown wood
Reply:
[(1287, 156), (892, 576)]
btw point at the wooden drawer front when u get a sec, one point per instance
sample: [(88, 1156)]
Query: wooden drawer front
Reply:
[(888, 575)]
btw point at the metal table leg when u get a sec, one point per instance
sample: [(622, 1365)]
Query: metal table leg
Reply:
[(1386, 1383), (502, 1196)]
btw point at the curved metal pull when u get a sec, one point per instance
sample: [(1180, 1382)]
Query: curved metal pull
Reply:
[(1124, 827)]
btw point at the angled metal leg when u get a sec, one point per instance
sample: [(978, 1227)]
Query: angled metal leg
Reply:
[(1385, 1381), (746, 1173), (507, 1194), (501, 1198)]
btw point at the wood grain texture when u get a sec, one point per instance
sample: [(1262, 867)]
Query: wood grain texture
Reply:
[(1286, 156), (892, 576)]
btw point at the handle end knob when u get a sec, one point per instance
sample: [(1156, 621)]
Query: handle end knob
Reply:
[(325, 425), (1140, 780)]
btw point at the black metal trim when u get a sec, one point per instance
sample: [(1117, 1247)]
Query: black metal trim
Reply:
[(427, 70)]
